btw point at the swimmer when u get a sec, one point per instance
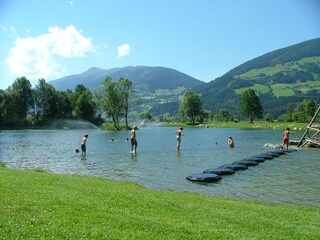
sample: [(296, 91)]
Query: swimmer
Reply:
[(230, 142)]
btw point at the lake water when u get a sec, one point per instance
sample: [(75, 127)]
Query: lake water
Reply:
[(293, 178)]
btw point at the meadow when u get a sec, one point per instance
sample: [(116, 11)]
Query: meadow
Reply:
[(39, 205)]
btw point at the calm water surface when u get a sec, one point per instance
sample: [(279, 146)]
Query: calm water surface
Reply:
[(292, 178)]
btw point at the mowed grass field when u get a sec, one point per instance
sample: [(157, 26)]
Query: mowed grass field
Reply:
[(39, 205)]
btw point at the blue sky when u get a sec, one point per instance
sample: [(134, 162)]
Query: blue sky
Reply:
[(202, 38)]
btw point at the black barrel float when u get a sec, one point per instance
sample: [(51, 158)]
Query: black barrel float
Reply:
[(235, 167), (255, 159), (272, 154), (280, 152), (264, 156), (246, 162), (291, 150), (204, 177), (220, 171)]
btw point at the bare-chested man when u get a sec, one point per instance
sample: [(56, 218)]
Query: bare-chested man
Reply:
[(84, 145), (179, 133), (133, 138)]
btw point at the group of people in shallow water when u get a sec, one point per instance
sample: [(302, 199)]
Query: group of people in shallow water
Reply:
[(179, 134)]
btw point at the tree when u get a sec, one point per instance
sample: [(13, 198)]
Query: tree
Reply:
[(65, 106), (224, 114), (17, 102), (112, 100), (146, 116), (250, 105), (84, 106), (289, 114), (125, 86), (46, 102), (190, 105), (305, 111)]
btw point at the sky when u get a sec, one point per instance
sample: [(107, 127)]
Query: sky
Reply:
[(202, 38)]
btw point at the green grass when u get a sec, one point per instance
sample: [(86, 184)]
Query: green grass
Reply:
[(268, 71), (258, 88), (242, 124), (39, 205), (256, 73), (288, 89), (282, 89)]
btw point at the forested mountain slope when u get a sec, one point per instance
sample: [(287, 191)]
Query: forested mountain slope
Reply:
[(142, 77), (287, 75)]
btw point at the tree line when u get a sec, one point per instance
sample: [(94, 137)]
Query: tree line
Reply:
[(24, 106)]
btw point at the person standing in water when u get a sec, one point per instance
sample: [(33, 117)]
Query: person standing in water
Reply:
[(285, 139), (179, 133), (230, 142), (133, 138), (84, 145)]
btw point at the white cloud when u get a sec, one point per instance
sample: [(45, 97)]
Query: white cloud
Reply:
[(123, 50), (35, 57)]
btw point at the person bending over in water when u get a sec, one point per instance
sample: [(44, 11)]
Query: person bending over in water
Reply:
[(133, 138), (84, 145), (179, 133), (230, 142), (285, 139)]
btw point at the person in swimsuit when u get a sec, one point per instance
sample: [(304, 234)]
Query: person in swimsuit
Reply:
[(179, 133), (133, 138), (285, 139), (84, 145)]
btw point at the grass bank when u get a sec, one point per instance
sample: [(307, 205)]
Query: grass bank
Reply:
[(38, 205), (244, 125)]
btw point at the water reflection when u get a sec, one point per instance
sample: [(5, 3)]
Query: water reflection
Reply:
[(292, 178)]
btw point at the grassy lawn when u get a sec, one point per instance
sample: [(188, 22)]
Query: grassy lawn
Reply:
[(39, 205)]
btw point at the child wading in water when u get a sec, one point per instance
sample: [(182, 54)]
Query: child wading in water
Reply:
[(179, 133), (285, 139), (84, 145), (133, 138)]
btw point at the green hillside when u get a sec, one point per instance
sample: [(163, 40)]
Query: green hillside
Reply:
[(156, 89), (143, 78), (290, 74)]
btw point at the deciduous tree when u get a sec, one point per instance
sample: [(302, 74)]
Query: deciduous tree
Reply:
[(190, 105), (250, 105)]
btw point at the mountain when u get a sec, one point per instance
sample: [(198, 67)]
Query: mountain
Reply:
[(287, 75), (156, 89), (143, 78)]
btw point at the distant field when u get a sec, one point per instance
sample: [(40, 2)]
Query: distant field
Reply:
[(268, 71), (258, 88), (286, 90), (282, 89)]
